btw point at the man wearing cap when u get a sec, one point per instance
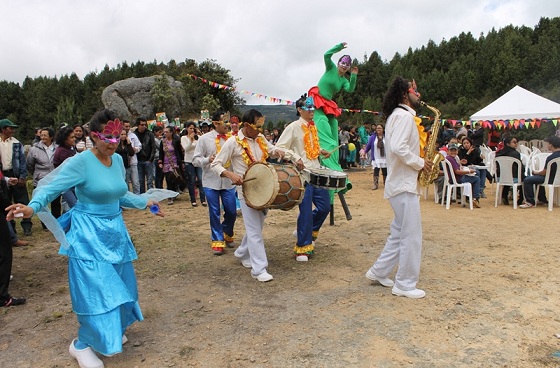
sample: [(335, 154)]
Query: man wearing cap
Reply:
[(301, 143), (14, 164), (204, 127), (216, 187)]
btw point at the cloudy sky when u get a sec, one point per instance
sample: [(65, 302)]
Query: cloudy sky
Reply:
[(275, 48)]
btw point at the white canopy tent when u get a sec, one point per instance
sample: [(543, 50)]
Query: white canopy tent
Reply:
[(519, 103)]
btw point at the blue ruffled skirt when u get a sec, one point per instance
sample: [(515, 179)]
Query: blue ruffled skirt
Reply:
[(101, 277)]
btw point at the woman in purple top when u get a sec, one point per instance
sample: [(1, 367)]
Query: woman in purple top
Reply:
[(463, 175), (170, 160), (66, 141)]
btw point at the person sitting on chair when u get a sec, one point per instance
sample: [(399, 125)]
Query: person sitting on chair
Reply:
[(462, 174), (510, 149), (539, 176)]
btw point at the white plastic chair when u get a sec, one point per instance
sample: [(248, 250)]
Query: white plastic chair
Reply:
[(535, 143), (450, 187), (505, 163), (489, 161), (524, 143), (538, 160), (526, 160), (524, 149), (553, 188), (426, 190)]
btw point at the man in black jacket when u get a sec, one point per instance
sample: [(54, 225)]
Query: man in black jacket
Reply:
[(477, 135), (6, 255), (146, 155)]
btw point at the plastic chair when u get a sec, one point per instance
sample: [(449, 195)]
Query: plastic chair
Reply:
[(534, 143), (538, 160), (554, 186), (489, 161), (524, 143), (505, 163), (426, 189), (524, 149), (526, 160), (450, 186)]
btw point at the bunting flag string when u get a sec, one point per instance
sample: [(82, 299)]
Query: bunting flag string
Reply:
[(490, 124)]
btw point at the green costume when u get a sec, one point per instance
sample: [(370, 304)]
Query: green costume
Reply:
[(326, 110)]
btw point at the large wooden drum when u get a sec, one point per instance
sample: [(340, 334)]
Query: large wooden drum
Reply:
[(272, 186)]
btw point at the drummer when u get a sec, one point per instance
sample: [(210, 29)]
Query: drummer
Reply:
[(216, 188), (248, 147), (301, 142)]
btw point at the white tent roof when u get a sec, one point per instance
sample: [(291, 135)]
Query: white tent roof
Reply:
[(519, 103)]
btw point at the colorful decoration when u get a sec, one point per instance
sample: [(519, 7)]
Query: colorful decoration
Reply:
[(248, 155), (311, 141), (490, 124)]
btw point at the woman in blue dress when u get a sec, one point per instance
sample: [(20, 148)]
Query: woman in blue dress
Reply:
[(101, 277)]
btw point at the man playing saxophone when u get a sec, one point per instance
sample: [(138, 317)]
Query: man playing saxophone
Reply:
[(404, 140)]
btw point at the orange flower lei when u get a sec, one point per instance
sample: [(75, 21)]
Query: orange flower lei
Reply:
[(311, 149), (219, 148), (246, 152)]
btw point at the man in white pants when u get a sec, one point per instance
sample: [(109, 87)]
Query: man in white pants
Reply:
[(247, 147), (403, 141)]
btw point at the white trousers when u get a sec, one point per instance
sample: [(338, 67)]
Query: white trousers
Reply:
[(252, 245), (404, 244)]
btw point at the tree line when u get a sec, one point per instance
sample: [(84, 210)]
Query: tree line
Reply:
[(459, 76)]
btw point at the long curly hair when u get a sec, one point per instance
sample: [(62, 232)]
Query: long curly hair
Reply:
[(394, 95)]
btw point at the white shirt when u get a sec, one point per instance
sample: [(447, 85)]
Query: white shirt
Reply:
[(136, 145), (232, 151), (188, 147), (292, 141), (205, 148), (6, 152), (402, 146)]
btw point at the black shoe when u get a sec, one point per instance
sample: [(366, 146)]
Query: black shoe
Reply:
[(204, 204), (505, 201), (14, 301), (27, 232)]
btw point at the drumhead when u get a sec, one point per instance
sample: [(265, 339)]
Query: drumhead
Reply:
[(262, 191)]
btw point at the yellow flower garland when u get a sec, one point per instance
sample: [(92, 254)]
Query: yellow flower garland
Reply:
[(311, 149), (219, 148), (246, 152)]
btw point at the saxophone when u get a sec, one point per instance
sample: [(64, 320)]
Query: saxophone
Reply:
[(432, 154)]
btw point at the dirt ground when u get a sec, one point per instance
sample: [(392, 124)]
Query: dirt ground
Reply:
[(491, 277)]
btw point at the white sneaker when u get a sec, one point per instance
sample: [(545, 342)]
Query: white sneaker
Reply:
[(413, 294), (382, 280), (86, 357), (124, 339), (295, 233), (302, 258), (263, 277), (245, 262), (11, 277)]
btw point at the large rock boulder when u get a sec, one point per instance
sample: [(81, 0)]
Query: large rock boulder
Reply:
[(132, 97)]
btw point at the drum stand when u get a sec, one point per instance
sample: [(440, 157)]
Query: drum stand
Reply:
[(344, 207)]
